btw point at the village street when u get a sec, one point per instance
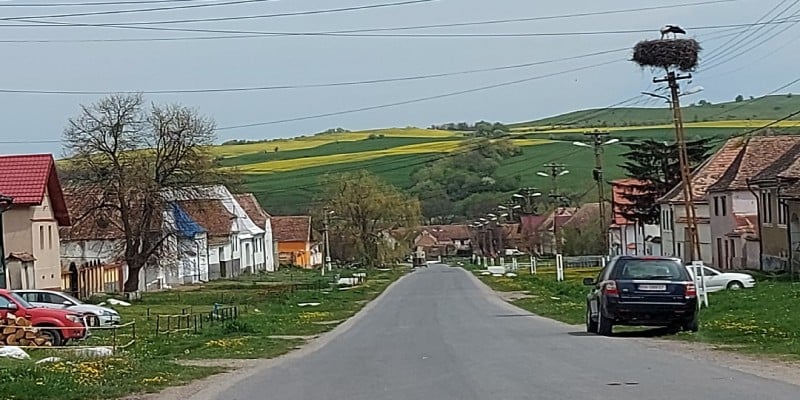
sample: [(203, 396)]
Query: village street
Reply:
[(440, 334)]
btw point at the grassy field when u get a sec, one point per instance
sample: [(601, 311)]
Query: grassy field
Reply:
[(157, 361), (759, 321)]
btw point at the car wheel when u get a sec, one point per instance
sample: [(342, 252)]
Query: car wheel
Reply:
[(53, 336), (591, 325), (92, 320), (692, 325), (735, 285), (604, 325)]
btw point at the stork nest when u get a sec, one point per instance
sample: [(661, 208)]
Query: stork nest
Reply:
[(665, 53)]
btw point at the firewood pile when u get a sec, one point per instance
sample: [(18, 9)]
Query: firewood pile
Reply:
[(17, 331)]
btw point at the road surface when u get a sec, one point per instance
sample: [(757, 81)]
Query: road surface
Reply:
[(439, 335)]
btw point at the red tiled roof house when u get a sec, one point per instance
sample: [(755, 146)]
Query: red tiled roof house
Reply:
[(295, 241), (31, 225), (267, 259), (733, 204), (674, 239)]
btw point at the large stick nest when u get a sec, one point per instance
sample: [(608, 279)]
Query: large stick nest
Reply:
[(667, 53)]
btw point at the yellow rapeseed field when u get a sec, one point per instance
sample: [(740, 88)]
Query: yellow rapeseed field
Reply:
[(301, 143), (308, 162)]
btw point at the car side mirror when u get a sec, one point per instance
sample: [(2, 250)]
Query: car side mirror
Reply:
[(588, 281), (67, 303), (12, 307)]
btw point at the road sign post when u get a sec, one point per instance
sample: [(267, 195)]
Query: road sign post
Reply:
[(559, 267), (701, 284)]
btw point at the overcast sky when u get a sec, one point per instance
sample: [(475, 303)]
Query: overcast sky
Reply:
[(297, 60)]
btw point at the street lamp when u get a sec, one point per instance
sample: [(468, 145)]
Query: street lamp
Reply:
[(5, 204)]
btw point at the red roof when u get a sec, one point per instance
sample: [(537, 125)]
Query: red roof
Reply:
[(619, 189), (292, 228), (26, 178)]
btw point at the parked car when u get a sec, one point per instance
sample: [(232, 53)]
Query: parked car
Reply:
[(641, 291), (95, 315), (45, 318), (717, 280)]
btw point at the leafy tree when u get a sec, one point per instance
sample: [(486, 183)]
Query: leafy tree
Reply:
[(123, 157), (656, 164), (739, 98), (367, 209), (584, 239)]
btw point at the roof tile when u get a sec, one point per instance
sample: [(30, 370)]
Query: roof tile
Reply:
[(758, 154), (25, 178), (253, 209), (708, 173), (291, 228), (211, 215)]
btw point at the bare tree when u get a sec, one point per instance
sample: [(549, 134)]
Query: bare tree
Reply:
[(123, 155)]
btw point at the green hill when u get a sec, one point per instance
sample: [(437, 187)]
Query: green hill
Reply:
[(287, 174)]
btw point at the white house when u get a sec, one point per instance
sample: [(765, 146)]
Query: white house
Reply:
[(628, 237), (265, 246), (674, 235)]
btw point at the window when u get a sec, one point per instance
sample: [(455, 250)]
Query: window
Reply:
[(733, 249), (719, 253), (666, 220), (716, 206), (782, 213), (723, 202), (766, 207), (651, 269), (4, 303), (726, 263), (50, 236), (41, 237)]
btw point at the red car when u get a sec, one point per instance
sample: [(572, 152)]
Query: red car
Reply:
[(44, 317)]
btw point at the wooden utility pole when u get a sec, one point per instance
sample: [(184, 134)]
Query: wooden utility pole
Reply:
[(597, 173), (691, 237), (556, 171)]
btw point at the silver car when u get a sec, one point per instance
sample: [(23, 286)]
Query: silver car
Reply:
[(95, 315)]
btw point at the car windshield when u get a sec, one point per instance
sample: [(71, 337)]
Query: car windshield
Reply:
[(21, 301), (652, 269)]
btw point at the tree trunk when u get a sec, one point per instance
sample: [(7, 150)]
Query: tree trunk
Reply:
[(132, 283)]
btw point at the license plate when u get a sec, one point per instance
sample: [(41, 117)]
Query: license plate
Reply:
[(653, 287)]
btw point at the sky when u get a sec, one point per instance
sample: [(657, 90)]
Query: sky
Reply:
[(750, 60)]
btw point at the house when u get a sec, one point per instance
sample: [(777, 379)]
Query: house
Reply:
[(187, 248), (444, 240), (777, 206), (30, 226), (733, 203), (627, 237), (674, 235), (218, 224), (247, 242), (265, 256), (296, 244)]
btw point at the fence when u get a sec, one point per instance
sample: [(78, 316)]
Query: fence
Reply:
[(87, 279), (109, 336), (191, 321)]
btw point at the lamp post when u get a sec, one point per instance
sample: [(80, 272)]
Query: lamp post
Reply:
[(5, 204), (527, 196), (598, 142)]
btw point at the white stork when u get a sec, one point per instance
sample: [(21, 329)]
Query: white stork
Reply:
[(673, 29)]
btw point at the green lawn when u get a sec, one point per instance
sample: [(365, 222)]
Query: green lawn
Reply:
[(759, 321), (153, 362)]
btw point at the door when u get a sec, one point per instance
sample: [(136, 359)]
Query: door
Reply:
[(713, 280), (248, 258)]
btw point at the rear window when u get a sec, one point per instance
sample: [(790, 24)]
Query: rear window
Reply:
[(650, 269)]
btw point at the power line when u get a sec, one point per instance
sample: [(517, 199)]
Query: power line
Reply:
[(132, 11), (317, 85), (95, 3), (417, 100), (733, 40)]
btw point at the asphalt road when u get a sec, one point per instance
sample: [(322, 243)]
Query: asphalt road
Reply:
[(437, 334)]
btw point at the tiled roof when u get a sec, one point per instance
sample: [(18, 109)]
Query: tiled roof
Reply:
[(25, 178), (792, 191), (426, 240), (89, 224), (291, 229), (253, 209), (512, 231), (620, 188), (758, 154), (778, 165), (564, 215), (211, 215), (531, 223), (707, 173), (585, 214), (447, 232)]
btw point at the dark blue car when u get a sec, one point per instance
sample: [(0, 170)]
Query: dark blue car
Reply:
[(641, 291)]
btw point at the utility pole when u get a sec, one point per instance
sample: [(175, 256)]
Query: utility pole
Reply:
[(598, 141), (5, 204), (326, 239), (693, 240), (555, 171)]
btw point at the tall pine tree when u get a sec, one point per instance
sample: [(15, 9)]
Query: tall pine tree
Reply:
[(656, 165)]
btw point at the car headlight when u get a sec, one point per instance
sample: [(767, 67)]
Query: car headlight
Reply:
[(74, 318), (110, 314)]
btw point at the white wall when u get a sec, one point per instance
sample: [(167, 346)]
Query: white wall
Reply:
[(675, 248), (744, 202)]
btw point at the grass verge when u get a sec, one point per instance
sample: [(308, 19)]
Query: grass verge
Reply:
[(270, 327), (759, 321)]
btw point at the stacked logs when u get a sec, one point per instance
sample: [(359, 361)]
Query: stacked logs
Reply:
[(17, 331)]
